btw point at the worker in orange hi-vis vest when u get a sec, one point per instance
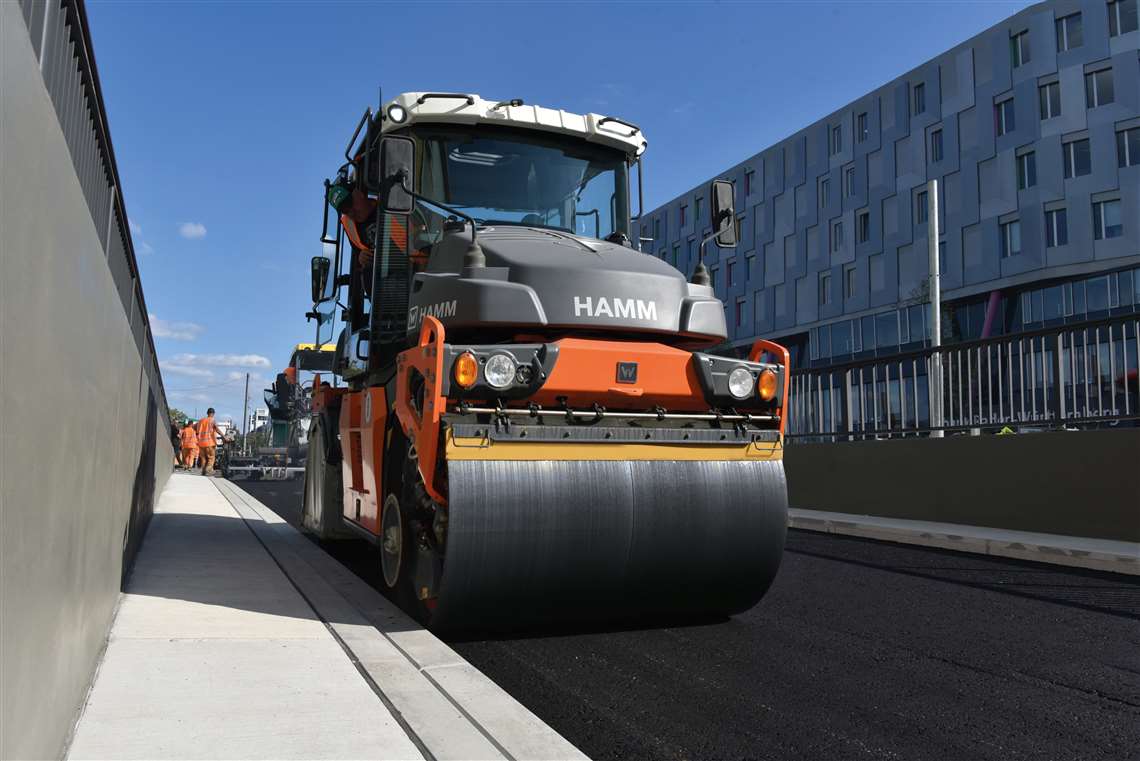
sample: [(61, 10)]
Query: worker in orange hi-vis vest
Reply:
[(207, 441), (189, 441)]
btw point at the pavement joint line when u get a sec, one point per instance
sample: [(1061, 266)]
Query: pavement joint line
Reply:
[(253, 504), (376, 689), (283, 532)]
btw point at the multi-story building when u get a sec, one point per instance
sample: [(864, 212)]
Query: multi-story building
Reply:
[(1032, 129), (258, 417)]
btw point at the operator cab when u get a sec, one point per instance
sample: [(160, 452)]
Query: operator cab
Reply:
[(499, 219)]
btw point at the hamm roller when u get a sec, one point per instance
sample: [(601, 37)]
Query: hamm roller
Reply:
[(531, 426)]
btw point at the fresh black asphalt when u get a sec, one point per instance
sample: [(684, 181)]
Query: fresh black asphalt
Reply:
[(861, 649)]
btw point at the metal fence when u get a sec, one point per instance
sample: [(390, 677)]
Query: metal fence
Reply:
[(1082, 375), (60, 38)]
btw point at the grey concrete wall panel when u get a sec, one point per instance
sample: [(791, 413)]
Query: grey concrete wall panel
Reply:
[(85, 443), (1069, 483), (977, 173)]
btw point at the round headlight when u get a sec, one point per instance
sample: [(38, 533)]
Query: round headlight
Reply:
[(499, 370), (397, 113), (740, 383)]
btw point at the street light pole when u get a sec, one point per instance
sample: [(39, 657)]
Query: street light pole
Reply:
[(936, 420), (245, 419)]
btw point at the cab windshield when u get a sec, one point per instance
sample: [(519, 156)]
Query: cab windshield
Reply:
[(502, 176)]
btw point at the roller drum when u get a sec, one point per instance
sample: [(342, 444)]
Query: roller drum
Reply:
[(541, 541)]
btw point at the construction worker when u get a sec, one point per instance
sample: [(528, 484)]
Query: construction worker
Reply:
[(189, 444), (207, 442)]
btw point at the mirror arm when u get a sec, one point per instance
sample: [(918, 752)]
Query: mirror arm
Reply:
[(404, 184)]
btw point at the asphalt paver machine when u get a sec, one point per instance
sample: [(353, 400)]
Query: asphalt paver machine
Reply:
[(531, 426)]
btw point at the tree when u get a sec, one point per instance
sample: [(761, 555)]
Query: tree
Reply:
[(177, 416)]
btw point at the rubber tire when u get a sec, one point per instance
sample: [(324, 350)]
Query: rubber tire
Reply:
[(321, 505)]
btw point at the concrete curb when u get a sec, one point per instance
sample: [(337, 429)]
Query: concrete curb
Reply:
[(448, 705), (1079, 552)]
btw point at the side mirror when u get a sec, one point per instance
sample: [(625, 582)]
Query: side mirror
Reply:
[(321, 266), (397, 170), (723, 213)]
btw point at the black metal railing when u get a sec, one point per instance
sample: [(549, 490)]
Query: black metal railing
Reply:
[(1082, 375)]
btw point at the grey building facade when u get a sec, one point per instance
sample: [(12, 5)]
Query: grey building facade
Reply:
[(1032, 129)]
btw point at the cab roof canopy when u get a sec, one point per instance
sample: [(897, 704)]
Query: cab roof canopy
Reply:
[(313, 358), (469, 108)]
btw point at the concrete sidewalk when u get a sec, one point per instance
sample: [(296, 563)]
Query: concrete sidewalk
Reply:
[(239, 638), (1075, 551)]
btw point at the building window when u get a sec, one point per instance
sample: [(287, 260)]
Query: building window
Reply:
[(941, 256), (824, 288), (1026, 170), (684, 215), (849, 282), (836, 139), (1106, 220), (749, 176), (1010, 239), (1056, 228), (657, 229), (1003, 117), (936, 145), (824, 193), (676, 255), (861, 127), (1069, 33), (919, 98), (920, 210), (836, 235), (849, 181), (1050, 97), (1019, 49), (1121, 17), (863, 226), (1098, 88), (1128, 147), (739, 312), (878, 273), (1077, 157), (697, 210), (731, 273)]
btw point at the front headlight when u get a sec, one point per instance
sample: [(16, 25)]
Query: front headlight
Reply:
[(740, 383), (767, 385), (500, 370)]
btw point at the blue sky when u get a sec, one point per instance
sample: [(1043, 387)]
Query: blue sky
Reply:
[(226, 117)]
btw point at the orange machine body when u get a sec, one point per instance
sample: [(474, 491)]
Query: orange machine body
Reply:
[(363, 430)]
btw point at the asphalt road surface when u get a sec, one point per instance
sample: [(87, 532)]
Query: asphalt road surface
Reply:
[(861, 649)]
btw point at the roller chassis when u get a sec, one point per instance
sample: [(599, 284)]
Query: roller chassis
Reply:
[(618, 475), (433, 443)]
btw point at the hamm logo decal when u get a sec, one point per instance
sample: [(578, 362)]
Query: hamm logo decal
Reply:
[(587, 306), (440, 311)]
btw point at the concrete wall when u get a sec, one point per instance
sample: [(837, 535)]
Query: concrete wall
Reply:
[(84, 438), (1083, 483)]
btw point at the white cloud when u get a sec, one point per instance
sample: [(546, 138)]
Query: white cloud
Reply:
[(189, 397), (235, 375), (141, 246), (178, 331), (221, 360), (192, 230), (192, 372)]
